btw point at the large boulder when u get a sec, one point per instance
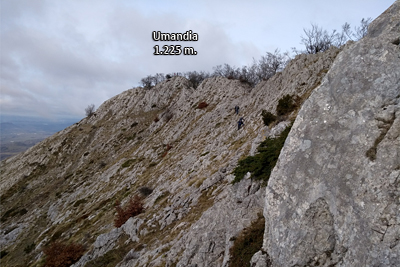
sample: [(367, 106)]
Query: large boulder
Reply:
[(334, 197)]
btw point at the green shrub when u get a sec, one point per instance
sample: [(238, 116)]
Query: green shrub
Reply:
[(260, 165), (268, 117), (247, 244), (285, 105)]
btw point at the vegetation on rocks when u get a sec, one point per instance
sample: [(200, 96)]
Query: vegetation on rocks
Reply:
[(62, 255), (285, 105), (260, 165), (145, 191), (268, 117), (133, 208), (315, 40), (90, 110)]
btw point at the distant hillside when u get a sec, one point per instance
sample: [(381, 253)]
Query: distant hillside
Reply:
[(18, 134)]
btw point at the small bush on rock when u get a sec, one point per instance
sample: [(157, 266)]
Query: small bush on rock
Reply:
[(145, 191), (285, 105), (62, 255), (90, 110), (260, 165), (268, 117), (133, 208)]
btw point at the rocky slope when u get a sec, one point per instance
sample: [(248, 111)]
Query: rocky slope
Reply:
[(333, 192), (334, 197), (65, 188)]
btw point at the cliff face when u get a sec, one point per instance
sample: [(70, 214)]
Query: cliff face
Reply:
[(334, 197)]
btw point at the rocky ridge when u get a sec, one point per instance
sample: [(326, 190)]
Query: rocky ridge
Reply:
[(64, 188)]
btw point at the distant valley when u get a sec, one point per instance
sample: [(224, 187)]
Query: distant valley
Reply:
[(17, 134)]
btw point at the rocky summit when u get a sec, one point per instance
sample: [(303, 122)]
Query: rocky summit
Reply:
[(170, 154)]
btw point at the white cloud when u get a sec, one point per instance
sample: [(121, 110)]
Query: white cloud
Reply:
[(59, 56)]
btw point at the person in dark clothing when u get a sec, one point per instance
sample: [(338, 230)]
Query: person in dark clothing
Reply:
[(237, 109), (240, 123)]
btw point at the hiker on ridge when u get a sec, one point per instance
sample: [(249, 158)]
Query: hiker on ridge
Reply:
[(237, 109), (240, 123)]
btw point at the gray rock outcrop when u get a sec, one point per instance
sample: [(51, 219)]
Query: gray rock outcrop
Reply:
[(334, 197)]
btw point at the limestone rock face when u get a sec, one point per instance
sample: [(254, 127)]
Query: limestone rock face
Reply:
[(333, 199)]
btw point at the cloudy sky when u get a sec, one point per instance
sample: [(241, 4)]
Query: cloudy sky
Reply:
[(57, 57)]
